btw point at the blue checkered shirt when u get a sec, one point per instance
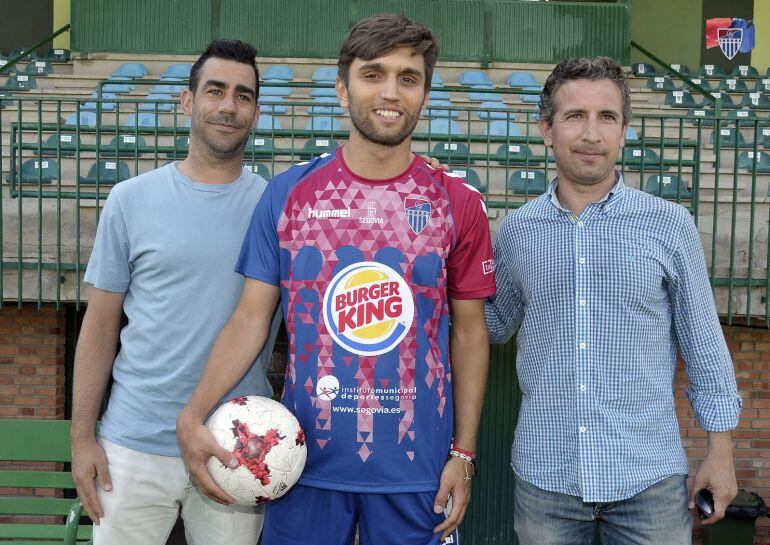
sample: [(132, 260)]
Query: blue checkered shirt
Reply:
[(602, 302)]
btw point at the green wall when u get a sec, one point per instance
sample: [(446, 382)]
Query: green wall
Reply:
[(671, 29)]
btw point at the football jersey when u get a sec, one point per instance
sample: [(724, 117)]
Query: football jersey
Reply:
[(365, 270)]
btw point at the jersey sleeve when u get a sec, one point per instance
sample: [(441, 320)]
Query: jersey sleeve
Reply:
[(260, 252), (109, 267), (471, 265)]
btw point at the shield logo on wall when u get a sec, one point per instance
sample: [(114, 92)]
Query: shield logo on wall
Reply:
[(730, 40)]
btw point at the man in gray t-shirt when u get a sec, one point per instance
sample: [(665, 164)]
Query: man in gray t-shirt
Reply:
[(164, 255)]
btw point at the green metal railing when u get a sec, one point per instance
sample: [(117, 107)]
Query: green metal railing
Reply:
[(12, 62), (48, 215)]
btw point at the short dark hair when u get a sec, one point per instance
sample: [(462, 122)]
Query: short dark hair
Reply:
[(377, 35), (231, 50), (581, 68)]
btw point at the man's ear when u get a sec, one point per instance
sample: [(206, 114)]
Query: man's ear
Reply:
[(187, 98), (342, 92), (545, 130)]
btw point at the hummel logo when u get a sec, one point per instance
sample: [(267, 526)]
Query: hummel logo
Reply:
[(321, 214)]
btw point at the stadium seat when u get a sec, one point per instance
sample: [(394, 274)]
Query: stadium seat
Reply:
[(522, 79), (117, 88), (729, 138), (631, 135), (85, 119), (181, 147), (57, 55), (453, 153), (323, 124), (743, 118), (106, 171), (15, 52), (744, 71), (268, 123), (157, 102), (141, 119), (435, 80), (274, 91), (323, 92), (177, 71), (259, 146), (63, 145), (482, 93), (515, 154), (470, 176), (703, 83), (756, 100), (129, 70), (438, 94), (272, 105), (711, 71), (170, 86), (36, 170), (325, 74), (682, 69), (106, 106), (643, 69), (668, 186), (747, 160), (680, 99), (260, 169), (727, 101), (127, 145), (499, 127), (20, 82), (438, 109), (527, 182), (733, 85), (39, 68), (326, 106), (474, 77), (438, 128), (531, 99), (633, 156), (661, 83), (495, 110), (278, 72), (764, 137), (317, 146), (701, 116)]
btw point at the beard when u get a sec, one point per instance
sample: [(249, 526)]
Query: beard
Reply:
[(359, 117), (222, 148)]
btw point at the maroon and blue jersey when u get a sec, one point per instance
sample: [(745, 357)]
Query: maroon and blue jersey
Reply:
[(365, 269)]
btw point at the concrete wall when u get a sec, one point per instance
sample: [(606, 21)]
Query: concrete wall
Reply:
[(760, 57), (672, 30)]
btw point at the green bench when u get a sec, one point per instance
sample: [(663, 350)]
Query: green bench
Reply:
[(24, 440)]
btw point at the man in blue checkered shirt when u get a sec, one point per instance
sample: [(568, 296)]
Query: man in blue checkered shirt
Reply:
[(606, 283)]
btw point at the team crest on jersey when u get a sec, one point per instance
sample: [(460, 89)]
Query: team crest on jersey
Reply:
[(418, 211), (368, 308)]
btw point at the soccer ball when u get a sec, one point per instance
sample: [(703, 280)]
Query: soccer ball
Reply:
[(268, 442)]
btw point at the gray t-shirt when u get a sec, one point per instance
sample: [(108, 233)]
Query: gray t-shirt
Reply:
[(171, 245)]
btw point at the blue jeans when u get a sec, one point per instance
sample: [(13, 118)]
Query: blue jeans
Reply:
[(656, 516)]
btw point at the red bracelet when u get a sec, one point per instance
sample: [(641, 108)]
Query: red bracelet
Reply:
[(468, 453)]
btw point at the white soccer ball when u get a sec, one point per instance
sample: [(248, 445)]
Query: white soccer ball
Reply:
[(268, 442)]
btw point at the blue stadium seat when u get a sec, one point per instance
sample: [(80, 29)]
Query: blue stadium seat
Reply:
[(516, 154), (661, 83), (36, 170), (87, 119), (326, 106), (278, 72), (643, 69), (177, 71), (439, 109), (745, 71), (106, 106), (435, 80), (272, 105), (274, 91), (444, 127), (482, 96), (106, 171), (170, 86), (141, 119), (730, 138), (160, 101), (260, 169), (522, 79), (470, 177), (734, 85), (323, 92), (668, 186), (323, 124), (324, 74), (117, 88), (631, 135), (129, 70), (438, 94), (127, 145), (495, 110), (531, 99), (713, 71), (527, 182), (474, 77), (499, 127), (680, 99), (268, 123), (748, 159)]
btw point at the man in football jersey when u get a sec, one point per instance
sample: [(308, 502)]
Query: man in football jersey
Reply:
[(373, 254)]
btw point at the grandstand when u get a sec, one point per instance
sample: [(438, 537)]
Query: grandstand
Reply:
[(73, 123)]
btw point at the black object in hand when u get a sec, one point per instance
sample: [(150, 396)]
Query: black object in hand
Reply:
[(704, 501)]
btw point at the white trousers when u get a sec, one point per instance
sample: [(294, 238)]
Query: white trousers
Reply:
[(150, 491)]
